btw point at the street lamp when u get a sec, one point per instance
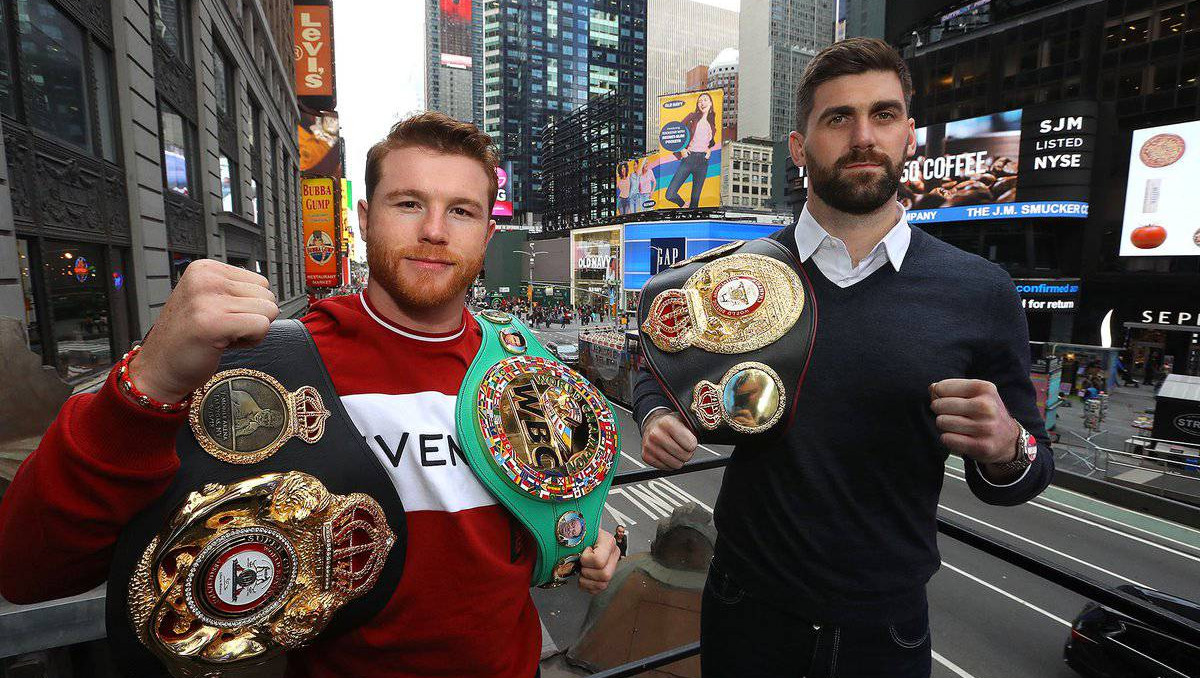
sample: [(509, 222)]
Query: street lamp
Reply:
[(532, 259)]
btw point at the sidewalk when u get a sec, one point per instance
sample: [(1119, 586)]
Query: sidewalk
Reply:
[(1100, 455)]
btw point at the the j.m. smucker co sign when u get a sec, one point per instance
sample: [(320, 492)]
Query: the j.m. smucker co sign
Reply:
[(1031, 162)]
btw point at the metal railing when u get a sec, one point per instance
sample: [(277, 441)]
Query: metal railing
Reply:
[(1132, 606)]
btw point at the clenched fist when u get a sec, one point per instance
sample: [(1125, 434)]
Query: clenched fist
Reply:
[(974, 420), (598, 563), (214, 306), (667, 442)]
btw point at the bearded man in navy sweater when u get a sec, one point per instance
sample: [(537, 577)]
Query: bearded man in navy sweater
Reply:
[(826, 539)]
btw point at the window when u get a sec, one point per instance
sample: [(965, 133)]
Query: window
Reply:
[(177, 151), (102, 66), (223, 73), (52, 53), (1164, 77), (7, 105), (1170, 21), (228, 184), (1129, 84), (171, 22)]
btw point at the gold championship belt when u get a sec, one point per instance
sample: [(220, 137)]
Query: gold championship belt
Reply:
[(279, 525), (249, 570), (730, 333)]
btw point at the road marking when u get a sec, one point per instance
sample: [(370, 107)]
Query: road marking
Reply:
[(954, 668), (1006, 594), (703, 447), (1039, 544), (635, 461), (954, 463), (1106, 528)]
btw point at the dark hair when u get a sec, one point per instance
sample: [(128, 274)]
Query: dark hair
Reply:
[(441, 133), (848, 57), (693, 118)]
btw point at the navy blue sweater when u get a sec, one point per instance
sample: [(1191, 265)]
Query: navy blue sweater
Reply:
[(838, 521)]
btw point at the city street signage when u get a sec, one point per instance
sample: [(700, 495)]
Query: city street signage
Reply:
[(318, 215), (1032, 162), (312, 26), (1161, 200), (1048, 295)]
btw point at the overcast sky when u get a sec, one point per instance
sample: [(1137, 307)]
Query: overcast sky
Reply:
[(380, 60)]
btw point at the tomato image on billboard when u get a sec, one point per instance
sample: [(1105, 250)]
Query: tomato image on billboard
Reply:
[(1148, 237)]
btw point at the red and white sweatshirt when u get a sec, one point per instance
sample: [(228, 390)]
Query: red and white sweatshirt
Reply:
[(462, 607)]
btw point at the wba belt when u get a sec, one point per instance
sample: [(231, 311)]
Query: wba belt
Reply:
[(731, 331), (279, 525), (541, 439)]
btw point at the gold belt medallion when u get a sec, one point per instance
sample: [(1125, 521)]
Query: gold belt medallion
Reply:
[(244, 416), (750, 399), (735, 304), (246, 571)]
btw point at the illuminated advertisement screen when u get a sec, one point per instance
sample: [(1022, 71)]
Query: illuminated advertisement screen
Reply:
[(1161, 200), (456, 33), (503, 206), (636, 184), (1033, 162), (688, 163)]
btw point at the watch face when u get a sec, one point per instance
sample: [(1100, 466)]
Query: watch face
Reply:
[(1030, 447)]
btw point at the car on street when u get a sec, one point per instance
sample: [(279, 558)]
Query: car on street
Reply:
[(567, 353), (1105, 643)]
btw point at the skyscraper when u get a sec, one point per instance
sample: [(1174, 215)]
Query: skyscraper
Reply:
[(779, 37), (545, 58), (680, 35), (723, 74), (453, 52)]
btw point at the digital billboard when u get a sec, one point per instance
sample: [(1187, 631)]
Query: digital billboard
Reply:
[(503, 206), (688, 163), (1032, 162), (636, 184), (1161, 201), (320, 140), (456, 33), (318, 211)]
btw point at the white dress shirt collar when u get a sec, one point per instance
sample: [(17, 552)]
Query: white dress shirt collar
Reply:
[(810, 235)]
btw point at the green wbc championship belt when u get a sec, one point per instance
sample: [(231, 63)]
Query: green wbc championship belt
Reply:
[(541, 439)]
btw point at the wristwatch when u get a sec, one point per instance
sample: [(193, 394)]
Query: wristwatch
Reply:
[(1025, 451)]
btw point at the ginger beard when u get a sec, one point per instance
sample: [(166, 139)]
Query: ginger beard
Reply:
[(860, 192), (422, 290)]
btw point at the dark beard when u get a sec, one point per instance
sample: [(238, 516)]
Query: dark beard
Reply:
[(855, 195), (423, 291)]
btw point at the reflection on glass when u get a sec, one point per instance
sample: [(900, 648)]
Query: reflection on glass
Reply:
[(179, 264), (751, 397), (226, 184), (170, 17), (6, 75), (52, 68), (102, 64), (31, 324), (175, 152), (254, 208), (76, 287)]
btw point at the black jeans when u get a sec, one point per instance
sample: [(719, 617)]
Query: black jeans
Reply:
[(743, 636), (695, 166)]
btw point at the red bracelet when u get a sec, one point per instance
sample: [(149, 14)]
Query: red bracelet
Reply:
[(139, 397)]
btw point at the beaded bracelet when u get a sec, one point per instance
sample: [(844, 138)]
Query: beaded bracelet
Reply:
[(139, 397)]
